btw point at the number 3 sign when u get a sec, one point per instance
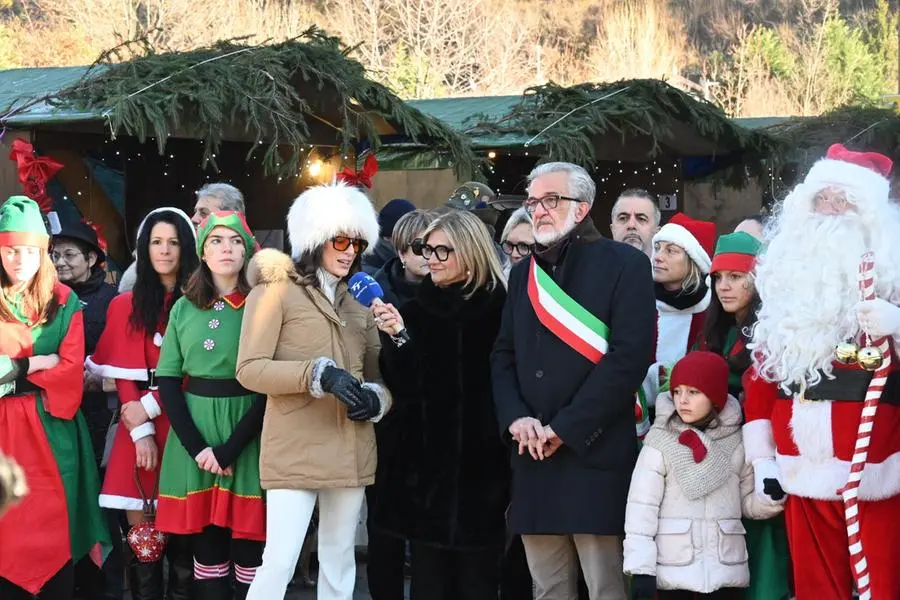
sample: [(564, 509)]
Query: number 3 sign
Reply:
[(668, 202)]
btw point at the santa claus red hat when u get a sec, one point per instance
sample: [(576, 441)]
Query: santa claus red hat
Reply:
[(863, 175), (697, 238)]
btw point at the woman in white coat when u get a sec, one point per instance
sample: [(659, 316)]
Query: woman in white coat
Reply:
[(690, 488)]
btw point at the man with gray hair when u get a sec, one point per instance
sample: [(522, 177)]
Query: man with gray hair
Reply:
[(635, 219), (575, 343), (211, 198)]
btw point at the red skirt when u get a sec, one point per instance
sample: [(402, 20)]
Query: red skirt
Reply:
[(119, 488)]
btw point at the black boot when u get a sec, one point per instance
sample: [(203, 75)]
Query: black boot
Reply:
[(240, 590), (213, 589), (180, 555), (145, 579)]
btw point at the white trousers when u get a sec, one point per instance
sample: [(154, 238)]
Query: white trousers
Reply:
[(288, 513)]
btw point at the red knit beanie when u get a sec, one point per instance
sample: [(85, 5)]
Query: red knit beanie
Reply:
[(706, 371)]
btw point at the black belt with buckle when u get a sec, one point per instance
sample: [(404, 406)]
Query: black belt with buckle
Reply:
[(849, 385), (216, 388), (150, 384)]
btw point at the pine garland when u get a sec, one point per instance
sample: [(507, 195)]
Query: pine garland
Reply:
[(640, 107), (273, 93)]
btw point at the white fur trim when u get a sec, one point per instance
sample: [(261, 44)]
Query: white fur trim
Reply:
[(110, 372), (142, 431), (864, 186), (315, 378), (177, 211), (151, 405), (672, 340), (383, 399), (678, 235), (126, 284), (122, 502), (802, 476), (811, 428), (323, 211), (759, 443)]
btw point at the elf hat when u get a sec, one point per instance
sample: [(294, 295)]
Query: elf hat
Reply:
[(863, 175), (706, 371), (736, 252), (697, 238), (324, 211), (234, 221), (21, 223)]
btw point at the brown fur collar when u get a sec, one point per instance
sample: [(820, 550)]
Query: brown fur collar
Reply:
[(271, 266)]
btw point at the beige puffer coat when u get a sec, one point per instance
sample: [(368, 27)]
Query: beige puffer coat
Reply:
[(290, 333), (683, 519)]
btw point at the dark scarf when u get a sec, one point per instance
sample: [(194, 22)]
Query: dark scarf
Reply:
[(89, 287), (404, 289), (680, 300), (451, 301), (582, 233)]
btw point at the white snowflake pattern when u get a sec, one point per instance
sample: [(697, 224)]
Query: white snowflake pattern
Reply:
[(219, 305), (160, 537), (209, 344), (214, 324), (146, 552), (134, 538)]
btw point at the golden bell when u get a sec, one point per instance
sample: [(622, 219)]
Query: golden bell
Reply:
[(870, 358), (846, 352)]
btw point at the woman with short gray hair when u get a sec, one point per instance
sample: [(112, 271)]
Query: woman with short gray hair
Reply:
[(517, 240)]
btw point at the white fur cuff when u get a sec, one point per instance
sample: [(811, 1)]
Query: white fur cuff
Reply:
[(142, 431), (315, 378), (151, 405), (759, 442), (383, 399)]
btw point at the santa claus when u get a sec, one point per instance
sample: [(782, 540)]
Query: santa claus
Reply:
[(802, 404)]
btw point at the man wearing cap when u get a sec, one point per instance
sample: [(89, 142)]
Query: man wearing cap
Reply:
[(384, 250), (807, 420), (575, 341)]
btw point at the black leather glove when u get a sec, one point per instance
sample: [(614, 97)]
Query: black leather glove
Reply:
[(369, 407), (342, 385), (643, 587), (773, 489)]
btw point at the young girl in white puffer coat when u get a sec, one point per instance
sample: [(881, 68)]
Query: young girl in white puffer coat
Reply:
[(689, 490)]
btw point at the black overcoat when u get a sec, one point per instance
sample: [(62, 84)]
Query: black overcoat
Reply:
[(582, 488), (449, 484)]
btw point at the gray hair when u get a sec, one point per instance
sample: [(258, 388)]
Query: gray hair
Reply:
[(519, 217), (229, 197), (581, 184), (637, 193)]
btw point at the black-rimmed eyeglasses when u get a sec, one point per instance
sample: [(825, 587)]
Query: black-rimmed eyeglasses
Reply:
[(522, 248), (441, 252), (549, 202)]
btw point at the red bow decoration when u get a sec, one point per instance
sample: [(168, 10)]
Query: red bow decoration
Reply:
[(34, 172), (101, 239), (361, 178)]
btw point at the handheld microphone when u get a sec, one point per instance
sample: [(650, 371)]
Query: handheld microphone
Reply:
[(368, 292)]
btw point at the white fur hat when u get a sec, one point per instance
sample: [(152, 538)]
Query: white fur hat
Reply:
[(323, 211)]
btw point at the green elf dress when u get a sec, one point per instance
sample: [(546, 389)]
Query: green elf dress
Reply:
[(767, 545), (43, 430), (207, 407)]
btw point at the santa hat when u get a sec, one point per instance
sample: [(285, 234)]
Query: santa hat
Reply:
[(705, 371), (697, 238), (864, 175), (324, 211), (736, 252)]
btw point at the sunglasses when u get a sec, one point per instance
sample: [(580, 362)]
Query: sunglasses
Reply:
[(417, 245), (441, 252), (549, 202), (522, 248), (342, 242)]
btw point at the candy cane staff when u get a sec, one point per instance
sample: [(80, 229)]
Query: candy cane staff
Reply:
[(128, 352), (806, 392), (313, 350), (209, 482), (41, 427)]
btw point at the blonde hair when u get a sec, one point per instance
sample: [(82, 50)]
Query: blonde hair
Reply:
[(408, 227), (474, 249), (694, 277), (519, 217)]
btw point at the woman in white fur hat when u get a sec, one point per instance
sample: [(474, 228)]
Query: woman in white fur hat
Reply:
[(313, 350)]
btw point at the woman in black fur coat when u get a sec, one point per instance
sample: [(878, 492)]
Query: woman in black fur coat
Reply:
[(452, 485)]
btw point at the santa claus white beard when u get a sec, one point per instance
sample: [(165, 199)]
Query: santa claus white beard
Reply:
[(808, 282)]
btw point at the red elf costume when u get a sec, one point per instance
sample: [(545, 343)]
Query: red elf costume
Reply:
[(41, 426)]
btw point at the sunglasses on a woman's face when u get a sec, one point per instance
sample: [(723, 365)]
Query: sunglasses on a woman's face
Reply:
[(417, 245), (522, 248), (342, 242)]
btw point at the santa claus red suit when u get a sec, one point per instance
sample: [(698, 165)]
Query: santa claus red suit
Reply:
[(803, 406)]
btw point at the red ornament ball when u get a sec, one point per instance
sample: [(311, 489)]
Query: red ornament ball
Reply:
[(146, 542)]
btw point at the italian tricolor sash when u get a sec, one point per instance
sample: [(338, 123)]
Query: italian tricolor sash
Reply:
[(565, 317)]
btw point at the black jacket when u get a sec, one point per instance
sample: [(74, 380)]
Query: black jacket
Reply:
[(397, 290), (95, 295), (381, 253), (582, 488), (450, 484)]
